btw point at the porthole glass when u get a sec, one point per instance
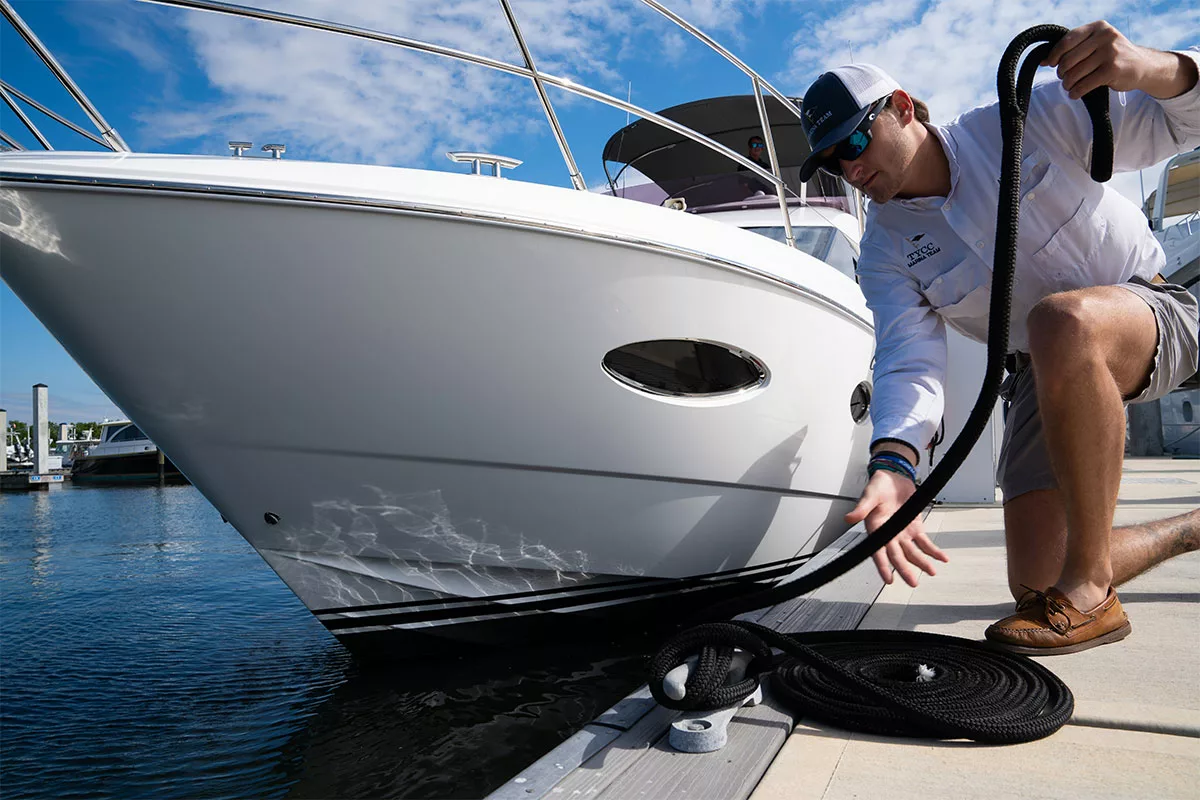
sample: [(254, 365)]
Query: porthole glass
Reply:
[(684, 368), (860, 401)]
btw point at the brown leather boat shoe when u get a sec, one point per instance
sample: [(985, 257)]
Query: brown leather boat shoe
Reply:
[(1047, 624)]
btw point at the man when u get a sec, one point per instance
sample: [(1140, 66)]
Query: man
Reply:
[(756, 151), (1093, 325)]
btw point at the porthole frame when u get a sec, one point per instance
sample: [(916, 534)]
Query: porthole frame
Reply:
[(865, 388), (763, 379)]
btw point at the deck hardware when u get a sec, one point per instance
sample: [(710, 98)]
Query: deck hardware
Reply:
[(271, 518), (477, 160), (706, 732), (276, 150), (240, 147)]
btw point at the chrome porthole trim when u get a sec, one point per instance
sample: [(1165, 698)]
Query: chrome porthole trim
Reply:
[(860, 403), (759, 374)]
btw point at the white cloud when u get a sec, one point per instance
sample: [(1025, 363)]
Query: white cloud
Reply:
[(947, 52)]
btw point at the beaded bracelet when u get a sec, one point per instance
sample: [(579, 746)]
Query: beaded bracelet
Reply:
[(895, 458), (897, 464), (898, 461), (873, 468), (898, 441)]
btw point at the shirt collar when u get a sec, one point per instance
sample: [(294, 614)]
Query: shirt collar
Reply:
[(951, 151)]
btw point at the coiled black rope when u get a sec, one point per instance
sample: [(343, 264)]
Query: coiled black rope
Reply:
[(982, 693), (892, 683)]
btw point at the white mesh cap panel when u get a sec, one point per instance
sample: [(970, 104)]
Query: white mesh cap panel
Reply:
[(865, 82)]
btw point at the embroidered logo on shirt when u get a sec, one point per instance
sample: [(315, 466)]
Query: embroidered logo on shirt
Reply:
[(920, 248)]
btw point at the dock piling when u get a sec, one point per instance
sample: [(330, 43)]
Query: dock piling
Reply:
[(41, 428)]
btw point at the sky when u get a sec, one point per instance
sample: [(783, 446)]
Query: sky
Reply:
[(182, 81)]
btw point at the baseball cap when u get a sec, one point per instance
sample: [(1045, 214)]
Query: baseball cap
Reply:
[(835, 105)]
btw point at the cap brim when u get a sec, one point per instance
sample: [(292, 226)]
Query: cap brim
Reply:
[(813, 162)]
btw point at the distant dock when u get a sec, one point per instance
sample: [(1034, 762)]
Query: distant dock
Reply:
[(23, 480)]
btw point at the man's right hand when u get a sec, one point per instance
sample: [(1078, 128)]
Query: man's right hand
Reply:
[(911, 552)]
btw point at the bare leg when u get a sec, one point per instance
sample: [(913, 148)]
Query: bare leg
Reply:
[(1035, 530), (1090, 348)]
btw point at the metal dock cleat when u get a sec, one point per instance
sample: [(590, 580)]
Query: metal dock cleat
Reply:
[(706, 732)]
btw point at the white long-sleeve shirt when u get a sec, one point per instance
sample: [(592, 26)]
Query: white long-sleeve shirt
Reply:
[(927, 262)]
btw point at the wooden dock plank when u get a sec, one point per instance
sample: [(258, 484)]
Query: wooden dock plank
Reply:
[(540, 777), (598, 772), (755, 735)]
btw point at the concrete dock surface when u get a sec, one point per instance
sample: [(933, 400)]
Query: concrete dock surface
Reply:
[(1136, 728)]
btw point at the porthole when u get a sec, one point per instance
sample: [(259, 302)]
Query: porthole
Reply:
[(684, 368), (860, 402), (1187, 411)]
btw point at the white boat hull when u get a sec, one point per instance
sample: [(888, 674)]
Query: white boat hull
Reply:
[(403, 409)]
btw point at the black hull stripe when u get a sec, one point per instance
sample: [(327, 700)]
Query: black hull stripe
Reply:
[(698, 595), (551, 604), (592, 587)]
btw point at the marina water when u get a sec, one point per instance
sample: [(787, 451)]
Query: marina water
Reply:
[(146, 650)]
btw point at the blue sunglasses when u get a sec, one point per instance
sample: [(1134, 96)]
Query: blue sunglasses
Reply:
[(855, 144)]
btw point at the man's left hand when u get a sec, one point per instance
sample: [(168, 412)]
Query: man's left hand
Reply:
[(1097, 54)]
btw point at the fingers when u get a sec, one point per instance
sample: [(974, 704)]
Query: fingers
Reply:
[(1068, 42), (860, 511), (929, 548), (1085, 50), (1096, 55), (916, 558), (1086, 75), (883, 565), (897, 554), (908, 555)]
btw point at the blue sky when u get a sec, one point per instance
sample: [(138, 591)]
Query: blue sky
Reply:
[(173, 80)]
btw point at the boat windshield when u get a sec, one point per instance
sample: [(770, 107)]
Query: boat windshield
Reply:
[(823, 242), (725, 191), (128, 434)]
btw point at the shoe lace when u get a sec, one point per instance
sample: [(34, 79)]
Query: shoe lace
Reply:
[(1054, 609)]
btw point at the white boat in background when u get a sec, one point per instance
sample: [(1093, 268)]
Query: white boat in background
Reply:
[(455, 408), (1174, 213), (18, 453), (122, 455)]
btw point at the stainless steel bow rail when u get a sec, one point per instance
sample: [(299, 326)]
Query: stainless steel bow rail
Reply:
[(108, 134), (541, 79)]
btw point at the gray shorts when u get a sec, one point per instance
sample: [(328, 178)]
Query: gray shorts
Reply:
[(1024, 462)]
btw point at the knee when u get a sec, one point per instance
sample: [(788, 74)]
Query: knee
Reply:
[(1061, 327)]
